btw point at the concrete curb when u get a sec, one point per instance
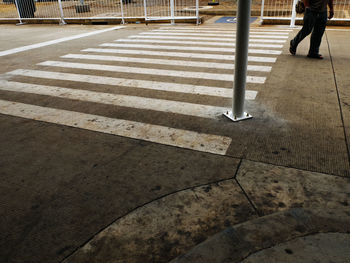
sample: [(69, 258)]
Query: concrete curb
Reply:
[(236, 243)]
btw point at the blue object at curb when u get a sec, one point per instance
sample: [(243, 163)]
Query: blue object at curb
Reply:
[(232, 19)]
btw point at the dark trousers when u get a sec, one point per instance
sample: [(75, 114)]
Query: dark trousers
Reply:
[(314, 22)]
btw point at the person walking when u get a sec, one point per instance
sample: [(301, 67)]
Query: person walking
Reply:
[(315, 20)]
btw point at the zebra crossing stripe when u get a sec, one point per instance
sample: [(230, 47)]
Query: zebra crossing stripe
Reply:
[(167, 62), (181, 42), (224, 40), (150, 71), (211, 35), (168, 106), (215, 31), (207, 49), (133, 83), (178, 54), (136, 130), (228, 30)]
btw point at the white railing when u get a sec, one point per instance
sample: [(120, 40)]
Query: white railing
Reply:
[(99, 9), (103, 10), (284, 10)]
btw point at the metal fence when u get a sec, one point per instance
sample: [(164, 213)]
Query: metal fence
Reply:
[(148, 9), (99, 9), (284, 10)]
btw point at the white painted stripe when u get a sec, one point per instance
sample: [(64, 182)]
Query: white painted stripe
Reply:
[(182, 42), (52, 42), (212, 35), (215, 31), (229, 30), (160, 72), (166, 62), (225, 40), (131, 129), (178, 54), (131, 83), (206, 49), (168, 106)]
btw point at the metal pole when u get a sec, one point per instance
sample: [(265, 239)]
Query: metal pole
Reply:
[(241, 61), (197, 11), (172, 13), (62, 22), (19, 15), (262, 12), (294, 14), (122, 10)]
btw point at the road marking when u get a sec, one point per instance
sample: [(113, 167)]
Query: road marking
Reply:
[(131, 129), (215, 31), (132, 83), (167, 62), (168, 106), (211, 35), (206, 49), (150, 71), (52, 42), (181, 42), (228, 30), (232, 40), (178, 54)]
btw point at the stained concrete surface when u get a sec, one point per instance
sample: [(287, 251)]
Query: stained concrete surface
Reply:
[(322, 248), (273, 188), (60, 186), (170, 226), (268, 235)]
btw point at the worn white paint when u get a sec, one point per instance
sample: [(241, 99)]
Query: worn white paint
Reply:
[(178, 54), (168, 106), (56, 41), (211, 35), (209, 39), (200, 28), (131, 129), (132, 83), (198, 43), (192, 48), (215, 31), (167, 62), (150, 71)]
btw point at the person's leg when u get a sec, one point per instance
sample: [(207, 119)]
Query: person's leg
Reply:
[(317, 33), (309, 22)]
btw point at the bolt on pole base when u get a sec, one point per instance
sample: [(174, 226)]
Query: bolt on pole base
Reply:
[(245, 116)]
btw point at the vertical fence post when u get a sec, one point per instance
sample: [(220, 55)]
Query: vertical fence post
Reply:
[(172, 12), (145, 9), (197, 12), (62, 22), (241, 61), (262, 12), (294, 14), (122, 11), (19, 15)]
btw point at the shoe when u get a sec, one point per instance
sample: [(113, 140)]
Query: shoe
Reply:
[(292, 49), (317, 56)]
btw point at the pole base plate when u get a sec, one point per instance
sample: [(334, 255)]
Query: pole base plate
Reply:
[(245, 116)]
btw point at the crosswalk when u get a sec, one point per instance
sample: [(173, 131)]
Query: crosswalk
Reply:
[(140, 72)]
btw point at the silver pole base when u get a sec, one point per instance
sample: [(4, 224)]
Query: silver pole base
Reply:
[(245, 116), (21, 23)]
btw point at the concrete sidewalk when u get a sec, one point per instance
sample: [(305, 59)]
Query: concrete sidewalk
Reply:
[(72, 195)]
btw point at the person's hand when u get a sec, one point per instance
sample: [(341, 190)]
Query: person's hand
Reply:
[(331, 14)]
